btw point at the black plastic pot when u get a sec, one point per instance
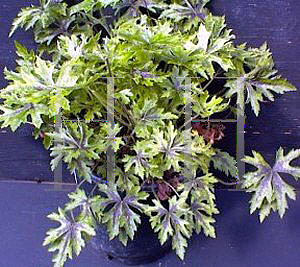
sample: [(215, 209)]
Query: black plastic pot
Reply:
[(145, 247)]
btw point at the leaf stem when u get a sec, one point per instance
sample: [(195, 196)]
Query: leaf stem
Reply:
[(93, 190), (72, 215), (171, 187), (109, 67), (225, 183), (193, 118), (123, 122), (191, 6), (105, 24), (80, 183), (153, 191), (128, 115)]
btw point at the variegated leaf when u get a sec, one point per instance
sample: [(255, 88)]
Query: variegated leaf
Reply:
[(270, 190)]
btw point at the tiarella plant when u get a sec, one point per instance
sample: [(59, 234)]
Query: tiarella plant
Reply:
[(150, 53)]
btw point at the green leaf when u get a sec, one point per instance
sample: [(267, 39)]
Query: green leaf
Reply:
[(86, 6), (275, 84), (13, 117), (205, 106), (77, 146), (39, 18), (257, 83), (118, 212), (67, 238), (80, 199), (44, 71), (171, 222), (202, 40), (66, 78), (133, 7), (47, 142), (148, 42), (24, 53), (224, 162), (188, 9), (270, 190), (36, 112), (140, 161), (179, 244), (28, 16), (124, 95), (205, 182), (170, 142), (147, 114), (203, 205)]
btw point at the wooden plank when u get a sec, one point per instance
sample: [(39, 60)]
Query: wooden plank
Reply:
[(241, 240)]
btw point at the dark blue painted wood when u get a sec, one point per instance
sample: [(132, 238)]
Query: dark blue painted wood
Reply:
[(241, 240)]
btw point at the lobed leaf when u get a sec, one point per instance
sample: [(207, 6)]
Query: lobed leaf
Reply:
[(67, 238), (270, 190)]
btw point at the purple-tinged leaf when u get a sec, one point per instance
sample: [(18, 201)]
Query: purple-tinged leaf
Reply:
[(270, 190), (118, 211), (67, 238)]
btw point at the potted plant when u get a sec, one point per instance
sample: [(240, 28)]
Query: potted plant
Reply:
[(129, 92)]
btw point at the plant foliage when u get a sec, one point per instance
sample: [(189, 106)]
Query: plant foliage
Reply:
[(67, 238), (270, 190), (120, 76)]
